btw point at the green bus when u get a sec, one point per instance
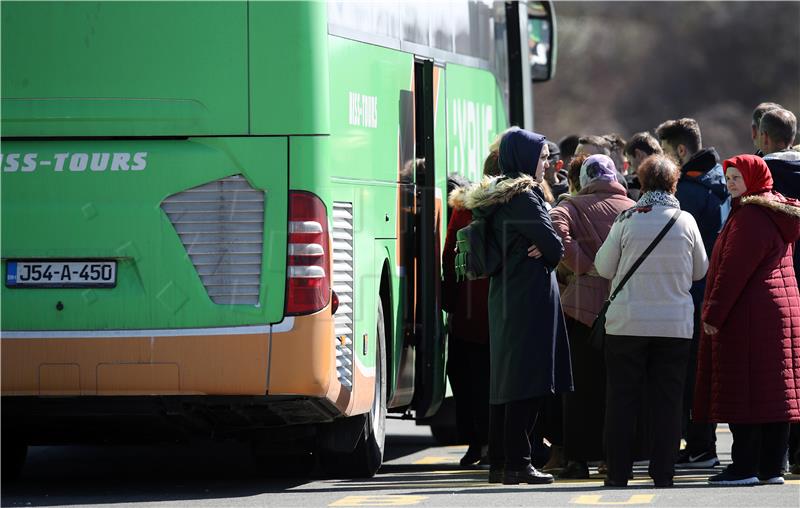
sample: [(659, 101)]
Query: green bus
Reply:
[(224, 218)]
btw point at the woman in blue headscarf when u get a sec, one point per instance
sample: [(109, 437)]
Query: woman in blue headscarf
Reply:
[(530, 357)]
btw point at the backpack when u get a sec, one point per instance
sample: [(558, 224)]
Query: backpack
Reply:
[(478, 254)]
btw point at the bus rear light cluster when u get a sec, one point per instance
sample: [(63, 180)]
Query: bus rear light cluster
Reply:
[(308, 282)]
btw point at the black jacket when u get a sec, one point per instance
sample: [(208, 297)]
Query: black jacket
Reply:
[(527, 334), (785, 169), (703, 193)]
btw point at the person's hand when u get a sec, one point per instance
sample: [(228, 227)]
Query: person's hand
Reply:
[(534, 252), (710, 330)]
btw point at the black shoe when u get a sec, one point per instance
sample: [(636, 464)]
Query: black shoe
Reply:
[(663, 484), (575, 470), (496, 475), (528, 475), (472, 457), (730, 478), (608, 482), (702, 460)]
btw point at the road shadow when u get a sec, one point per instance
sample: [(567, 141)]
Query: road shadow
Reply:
[(66, 475)]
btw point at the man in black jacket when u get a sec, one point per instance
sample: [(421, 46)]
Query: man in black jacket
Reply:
[(703, 193), (776, 132)]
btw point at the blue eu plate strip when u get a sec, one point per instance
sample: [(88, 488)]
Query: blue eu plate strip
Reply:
[(11, 273)]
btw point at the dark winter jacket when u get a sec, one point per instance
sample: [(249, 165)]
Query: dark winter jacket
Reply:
[(466, 302), (702, 192), (749, 372), (785, 169), (528, 341)]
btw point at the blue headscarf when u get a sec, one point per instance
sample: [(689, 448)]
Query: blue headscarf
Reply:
[(519, 152)]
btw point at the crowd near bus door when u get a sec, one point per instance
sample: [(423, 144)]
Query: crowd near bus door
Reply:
[(429, 383)]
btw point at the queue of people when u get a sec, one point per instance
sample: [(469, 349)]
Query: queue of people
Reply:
[(691, 263)]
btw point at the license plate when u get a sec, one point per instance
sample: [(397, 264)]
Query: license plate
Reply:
[(61, 274)]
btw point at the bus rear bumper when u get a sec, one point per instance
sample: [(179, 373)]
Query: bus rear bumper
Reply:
[(132, 419)]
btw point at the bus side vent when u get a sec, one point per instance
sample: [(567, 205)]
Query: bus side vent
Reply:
[(221, 225), (343, 285)]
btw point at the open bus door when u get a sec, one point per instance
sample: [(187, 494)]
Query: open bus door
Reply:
[(430, 381)]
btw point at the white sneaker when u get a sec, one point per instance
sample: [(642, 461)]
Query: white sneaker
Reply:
[(775, 480)]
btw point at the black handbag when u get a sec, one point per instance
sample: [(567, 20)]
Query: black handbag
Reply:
[(597, 337)]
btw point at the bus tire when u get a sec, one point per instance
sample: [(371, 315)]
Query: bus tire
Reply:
[(367, 457), (13, 459)]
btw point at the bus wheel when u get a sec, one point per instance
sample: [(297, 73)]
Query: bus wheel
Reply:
[(367, 457), (13, 458)]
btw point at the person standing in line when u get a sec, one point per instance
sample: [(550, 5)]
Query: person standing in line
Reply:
[(748, 369), (776, 133), (649, 323), (641, 146), (617, 144), (466, 304), (701, 192), (758, 112), (583, 223), (527, 335), (567, 145), (555, 175)]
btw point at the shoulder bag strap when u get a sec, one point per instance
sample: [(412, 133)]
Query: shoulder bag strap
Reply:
[(646, 253)]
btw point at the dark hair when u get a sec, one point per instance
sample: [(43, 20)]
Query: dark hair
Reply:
[(780, 125), (643, 141), (684, 131), (574, 171), (555, 152), (617, 143), (491, 166), (762, 108), (659, 173), (598, 141), (455, 181), (568, 144)]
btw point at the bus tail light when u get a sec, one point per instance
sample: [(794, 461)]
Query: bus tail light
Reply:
[(308, 281)]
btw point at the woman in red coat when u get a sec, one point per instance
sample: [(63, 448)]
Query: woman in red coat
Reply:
[(466, 304), (748, 366)]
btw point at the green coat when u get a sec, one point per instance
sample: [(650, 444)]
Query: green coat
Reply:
[(527, 335)]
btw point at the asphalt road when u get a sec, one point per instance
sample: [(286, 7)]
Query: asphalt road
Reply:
[(416, 473)]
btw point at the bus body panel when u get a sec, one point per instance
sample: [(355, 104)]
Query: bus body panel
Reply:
[(327, 115), (288, 68), (233, 363), (124, 68), (118, 215)]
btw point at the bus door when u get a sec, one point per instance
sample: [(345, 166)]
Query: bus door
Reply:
[(430, 346)]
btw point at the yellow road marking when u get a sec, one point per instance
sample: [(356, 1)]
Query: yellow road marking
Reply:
[(594, 499), (389, 500), (436, 460)]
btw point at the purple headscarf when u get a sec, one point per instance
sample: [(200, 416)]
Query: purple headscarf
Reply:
[(519, 152), (598, 167)]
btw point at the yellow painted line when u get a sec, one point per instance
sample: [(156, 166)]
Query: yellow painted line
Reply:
[(594, 499), (436, 460), (389, 500)]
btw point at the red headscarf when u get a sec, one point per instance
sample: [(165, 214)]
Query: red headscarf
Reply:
[(754, 170)]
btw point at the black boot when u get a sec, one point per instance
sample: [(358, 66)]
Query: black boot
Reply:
[(495, 474), (575, 470), (528, 475), (472, 457)]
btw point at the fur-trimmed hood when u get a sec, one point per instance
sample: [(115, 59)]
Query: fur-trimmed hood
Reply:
[(490, 192), (785, 212)]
